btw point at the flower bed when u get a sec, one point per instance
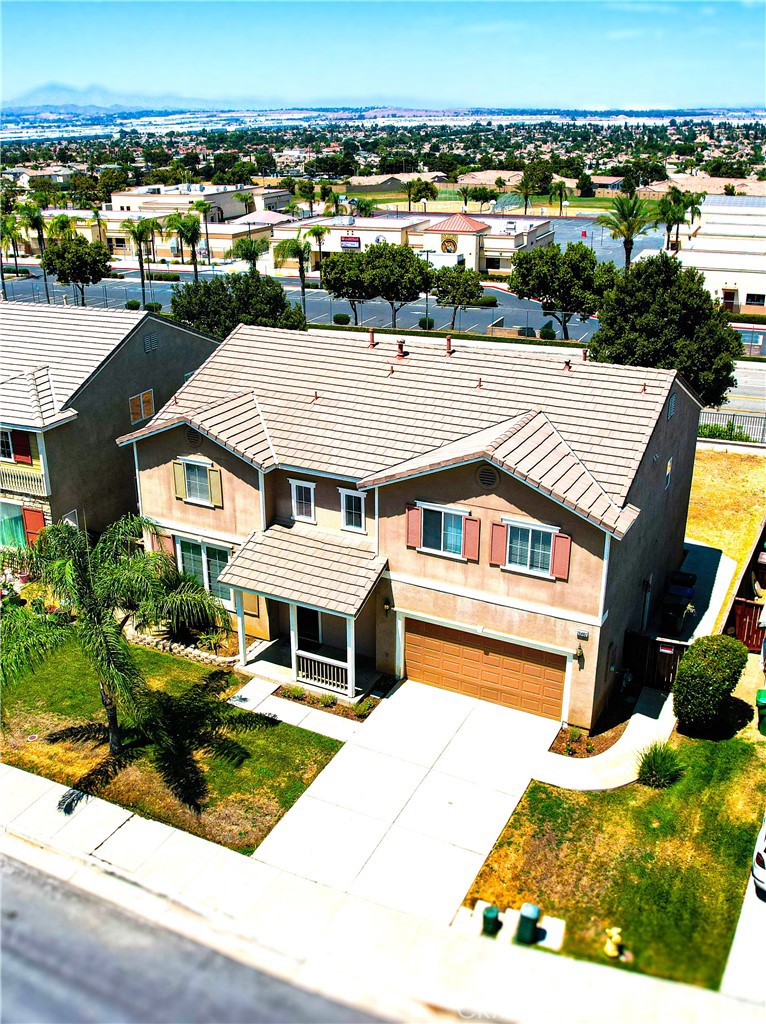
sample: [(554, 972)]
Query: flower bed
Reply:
[(329, 702)]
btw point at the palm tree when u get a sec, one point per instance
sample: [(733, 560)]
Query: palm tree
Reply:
[(98, 588), (190, 231), (317, 233), (334, 204), (408, 187), (62, 227), (524, 187), (12, 233), (691, 201), (300, 252), (465, 193), (98, 221), (139, 232), (32, 219), (246, 198), (171, 225), (204, 208), (365, 207), (628, 218), (250, 250), (559, 191), (155, 228), (670, 214)]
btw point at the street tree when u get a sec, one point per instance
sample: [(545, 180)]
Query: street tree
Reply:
[(172, 226), (344, 276), (203, 207), (408, 187), (628, 218), (307, 192), (396, 274), (316, 233), (11, 234), (248, 249), (567, 284), (293, 250), (660, 314), (139, 232), (482, 195), (424, 190), (190, 231), (219, 305), (457, 287), (77, 261), (98, 587), (560, 192)]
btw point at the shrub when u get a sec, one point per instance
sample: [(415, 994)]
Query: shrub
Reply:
[(211, 641), (327, 700), (426, 323), (659, 766), (341, 318), (574, 734), (485, 300), (163, 275), (706, 677), (115, 274), (312, 285), (153, 307), (294, 693), (547, 333), (364, 707), (723, 433), (132, 304)]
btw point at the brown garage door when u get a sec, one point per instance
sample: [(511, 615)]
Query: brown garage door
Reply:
[(518, 677)]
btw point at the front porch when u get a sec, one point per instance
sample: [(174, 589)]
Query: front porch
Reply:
[(320, 670)]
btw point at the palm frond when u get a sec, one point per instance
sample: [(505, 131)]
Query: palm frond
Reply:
[(27, 640), (131, 582), (189, 606), (104, 646), (96, 779), (124, 537)]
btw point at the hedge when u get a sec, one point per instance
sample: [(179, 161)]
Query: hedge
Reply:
[(113, 274), (485, 300), (163, 275), (719, 432), (132, 304), (707, 675), (426, 323), (153, 307), (341, 319), (747, 318), (468, 336)]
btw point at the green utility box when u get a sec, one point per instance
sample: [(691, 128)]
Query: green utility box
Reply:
[(526, 930), (490, 921), (760, 703)]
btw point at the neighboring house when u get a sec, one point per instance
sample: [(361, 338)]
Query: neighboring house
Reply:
[(482, 520), (72, 381)]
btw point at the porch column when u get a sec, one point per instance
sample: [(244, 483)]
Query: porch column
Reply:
[(294, 638), (350, 658), (240, 627)]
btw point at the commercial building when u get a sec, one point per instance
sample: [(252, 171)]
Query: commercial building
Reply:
[(227, 201)]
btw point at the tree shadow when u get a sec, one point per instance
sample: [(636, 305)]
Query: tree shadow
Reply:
[(172, 733), (735, 714)]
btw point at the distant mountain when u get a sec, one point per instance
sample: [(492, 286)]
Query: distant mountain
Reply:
[(60, 98)]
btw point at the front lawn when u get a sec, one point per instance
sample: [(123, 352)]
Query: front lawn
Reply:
[(667, 866), (244, 802)]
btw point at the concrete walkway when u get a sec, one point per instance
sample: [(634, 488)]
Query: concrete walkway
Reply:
[(258, 695), (743, 977), (342, 945), (407, 812), (652, 721)]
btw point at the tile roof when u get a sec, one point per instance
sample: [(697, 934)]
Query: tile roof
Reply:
[(330, 404), (299, 563), (458, 224), (48, 352)]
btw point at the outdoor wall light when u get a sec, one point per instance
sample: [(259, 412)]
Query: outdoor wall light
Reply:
[(386, 605), (579, 652)]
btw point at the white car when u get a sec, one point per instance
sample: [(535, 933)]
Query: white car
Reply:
[(759, 860)]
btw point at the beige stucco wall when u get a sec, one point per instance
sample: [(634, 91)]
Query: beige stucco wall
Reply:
[(327, 504)]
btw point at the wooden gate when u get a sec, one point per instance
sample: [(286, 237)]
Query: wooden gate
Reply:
[(653, 661), (746, 616)]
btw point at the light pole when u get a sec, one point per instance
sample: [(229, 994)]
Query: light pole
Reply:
[(427, 253)]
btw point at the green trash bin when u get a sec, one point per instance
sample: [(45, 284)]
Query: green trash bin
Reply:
[(760, 703), (526, 929)]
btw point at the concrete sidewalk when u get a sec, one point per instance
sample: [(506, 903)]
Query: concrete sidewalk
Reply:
[(743, 977), (340, 945)]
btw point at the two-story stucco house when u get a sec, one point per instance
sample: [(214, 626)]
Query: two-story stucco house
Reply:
[(72, 381), (475, 518)]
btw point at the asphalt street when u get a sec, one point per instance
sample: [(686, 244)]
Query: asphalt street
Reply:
[(69, 958)]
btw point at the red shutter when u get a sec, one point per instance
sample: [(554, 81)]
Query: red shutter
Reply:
[(562, 545), (498, 544), (21, 450), (414, 526), (471, 528), (34, 521)]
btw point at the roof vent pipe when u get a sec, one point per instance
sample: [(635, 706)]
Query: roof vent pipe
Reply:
[(449, 344), (372, 337), (400, 348), (567, 364), (585, 355)]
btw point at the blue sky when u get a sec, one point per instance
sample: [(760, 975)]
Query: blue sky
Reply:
[(672, 53)]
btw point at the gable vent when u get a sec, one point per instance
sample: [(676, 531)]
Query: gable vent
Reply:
[(193, 437), (487, 476)]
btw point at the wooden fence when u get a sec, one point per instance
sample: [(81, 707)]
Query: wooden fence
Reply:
[(653, 661)]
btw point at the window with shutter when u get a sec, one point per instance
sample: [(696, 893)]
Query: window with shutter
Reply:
[(6, 446), (22, 451), (34, 521), (498, 544), (562, 547), (214, 487), (471, 528), (414, 524), (142, 406), (179, 480), (135, 409)]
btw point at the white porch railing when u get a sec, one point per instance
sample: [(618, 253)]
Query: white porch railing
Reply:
[(24, 481), (313, 668)]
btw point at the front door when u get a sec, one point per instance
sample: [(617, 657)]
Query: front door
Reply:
[(309, 632), (729, 298)]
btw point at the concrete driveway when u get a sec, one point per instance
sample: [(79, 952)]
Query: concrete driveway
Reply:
[(407, 811)]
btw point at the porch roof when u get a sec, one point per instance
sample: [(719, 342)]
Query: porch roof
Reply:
[(303, 565)]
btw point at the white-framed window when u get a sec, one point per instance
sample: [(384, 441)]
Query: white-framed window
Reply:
[(197, 482), (668, 472), (206, 562), (6, 446), (142, 406), (671, 405), (302, 494), (757, 299), (530, 547), (442, 529), (352, 510)]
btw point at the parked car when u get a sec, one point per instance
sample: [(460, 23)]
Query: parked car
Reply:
[(759, 859)]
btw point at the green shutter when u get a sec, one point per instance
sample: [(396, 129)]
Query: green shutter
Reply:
[(179, 479), (214, 482)]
